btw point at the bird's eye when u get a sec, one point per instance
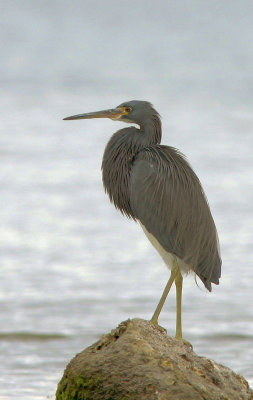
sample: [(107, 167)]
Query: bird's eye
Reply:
[(128, 109)]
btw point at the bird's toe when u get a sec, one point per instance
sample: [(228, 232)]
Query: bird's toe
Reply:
[(185, 342), (156, 325)]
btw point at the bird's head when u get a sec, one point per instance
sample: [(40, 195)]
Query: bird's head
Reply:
[(135, 111)]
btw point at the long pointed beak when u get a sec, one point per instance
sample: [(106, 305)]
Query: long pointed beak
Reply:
[(114, 113)]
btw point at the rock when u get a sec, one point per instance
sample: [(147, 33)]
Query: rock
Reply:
[(138, 361)]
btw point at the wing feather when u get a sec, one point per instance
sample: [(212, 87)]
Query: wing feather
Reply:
[(167, 198)]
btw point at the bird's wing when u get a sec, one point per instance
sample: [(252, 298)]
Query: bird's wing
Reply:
[(167, 198)]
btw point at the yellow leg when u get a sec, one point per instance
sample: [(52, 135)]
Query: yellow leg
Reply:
[(179, 286), (155, 317)]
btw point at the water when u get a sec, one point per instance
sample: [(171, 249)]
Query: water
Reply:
[(72, 267)]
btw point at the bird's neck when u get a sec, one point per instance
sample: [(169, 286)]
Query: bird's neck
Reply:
[(118, 159), (151, 130), (117, 164)]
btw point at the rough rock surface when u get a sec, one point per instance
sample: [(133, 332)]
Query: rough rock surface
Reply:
[(140, 362)]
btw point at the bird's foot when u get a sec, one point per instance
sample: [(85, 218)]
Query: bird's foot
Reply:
[(159, 327), (185, 342)]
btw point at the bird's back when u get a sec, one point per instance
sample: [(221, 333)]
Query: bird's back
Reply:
[(167, 198)]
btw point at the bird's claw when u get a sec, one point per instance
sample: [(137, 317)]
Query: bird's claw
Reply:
[(159, 327), (188, 344)]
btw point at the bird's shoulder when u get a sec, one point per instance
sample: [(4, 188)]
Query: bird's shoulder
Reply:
[(164, 163), (159, 153), (160, 175)]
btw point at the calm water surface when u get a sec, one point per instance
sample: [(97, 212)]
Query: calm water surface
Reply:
[(72, 267)]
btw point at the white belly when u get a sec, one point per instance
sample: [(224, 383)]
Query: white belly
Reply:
[(169, 258)]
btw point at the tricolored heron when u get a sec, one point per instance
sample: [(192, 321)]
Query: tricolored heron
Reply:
[(154, 185)]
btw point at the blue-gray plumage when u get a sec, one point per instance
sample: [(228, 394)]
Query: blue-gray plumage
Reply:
[(154, 185)]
